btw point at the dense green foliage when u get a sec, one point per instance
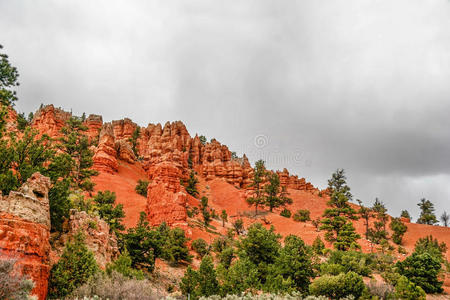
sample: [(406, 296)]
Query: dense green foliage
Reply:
[(202, 282), (75, 267), (275, 195), (141, 187), (302, 215), (431, 246), (339, 286), (405, 214), (405, 289), (224, 217), (348, 261), (427, 215), (191, 187), (398, 229), (145, 244), (25, 155), (123, 265), (201, 247), (108, 211), (133, 140), (422, 270), (378, 232), (8, 84), (337, 219)]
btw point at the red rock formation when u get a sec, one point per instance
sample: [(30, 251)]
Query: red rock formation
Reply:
[(94, 124), (125, 152), (166, 199), (25, 230), (49, 120), (97, 236), (105, 157)]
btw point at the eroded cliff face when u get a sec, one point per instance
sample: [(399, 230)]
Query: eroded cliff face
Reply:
[(167, 153), (97, 237), (25, 230)]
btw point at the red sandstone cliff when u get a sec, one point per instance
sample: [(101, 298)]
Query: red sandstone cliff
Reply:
[(25, 230)]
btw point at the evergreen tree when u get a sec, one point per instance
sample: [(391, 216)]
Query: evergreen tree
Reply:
[(133, 140), (175, 248), (318, 246), (142, 243), (405, 214), (275, 195), (224, 217), (294, 262), (123, 265), (444, 218), (422, 270), (431, 246), (75, 145), (189, 283), (201, 247), (202, 282), (427, 215), (191, 187), (258, 191), (108, 211), (378, 233), (8, 83), (337, 219), (366, 213), (238, 226), (141, 187), (405, 289), (21, 157), (398, 229), (205, 210), (74, 268)]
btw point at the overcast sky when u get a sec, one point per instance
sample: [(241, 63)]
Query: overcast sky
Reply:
[(313, 86)]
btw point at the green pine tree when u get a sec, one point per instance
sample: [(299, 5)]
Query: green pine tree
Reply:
[(258, 191), (274, 194), (337, 219), (108, 211), (427, 215), (75, 267)]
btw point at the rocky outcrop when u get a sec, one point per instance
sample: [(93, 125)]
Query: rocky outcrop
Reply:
[(125, 152), (105, 157), (166, 199), (50, 120), (94, 125), (98, 239), (25, 230)]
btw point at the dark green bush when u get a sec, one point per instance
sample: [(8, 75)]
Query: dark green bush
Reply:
[(141, 187), (201, 247), (302, 215), (286, 213)]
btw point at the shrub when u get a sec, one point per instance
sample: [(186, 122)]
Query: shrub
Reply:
[(116, 286), (355, 261), (226, 256), (431, 246), (201, 247), (238, 226), (302, 215), (422, 270), (340, 286), (141, 187), (123, 266), (407, 290), (380, 289), (13, 285), (108, 211), (202, 282), (285, 213), (318, 246), (75, 267)]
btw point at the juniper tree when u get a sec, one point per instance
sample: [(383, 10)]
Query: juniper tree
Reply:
[(337, 220), (427, 215)]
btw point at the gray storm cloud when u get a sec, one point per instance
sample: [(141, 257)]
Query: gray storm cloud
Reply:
[(361, 85)]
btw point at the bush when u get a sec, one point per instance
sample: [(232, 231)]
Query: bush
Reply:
[(141, 187), (302, 215), (318, 246), (13, 285), (202, 282), (122, 265), (201, 247), (76, 265), (285, 213), (346, 261), (116, 287), (110, 212), (380, 289), (340, 286), (422, 270), (407, 290)]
